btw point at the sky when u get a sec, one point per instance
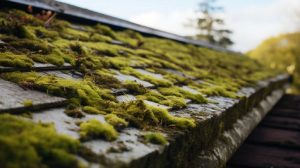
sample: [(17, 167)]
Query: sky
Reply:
[(252, 21)]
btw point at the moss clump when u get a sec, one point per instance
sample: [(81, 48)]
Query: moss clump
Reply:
[(218, 91), (27, 144), (27, 103), (116, 121), (131, 38), (92, 110), (73, 34), (29, 45), (155, 138), (174, 102), (105, 30), (74, 112), (56, 57), (139, 113), (100, 38), (93, 128), (105, 79), (134, 88), (15, 60), (149, 78), (179, 92)]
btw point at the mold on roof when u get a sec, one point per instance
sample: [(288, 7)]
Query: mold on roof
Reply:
[(121, 95)]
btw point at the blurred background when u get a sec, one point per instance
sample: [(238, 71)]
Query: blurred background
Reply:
[(266, 30)]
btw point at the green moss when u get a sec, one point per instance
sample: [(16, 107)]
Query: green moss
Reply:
[(139, 113), (105, 49), (27, 103), (116, 121), (93, 128), (74, 112), (105, 79), (105, 30), (179, 92), (26, 32), (149, 78), (15, 60), (130, 38), (28, 45), (134, 88), (56, 57), (26, 144), (100, 38), (155, 138), (218, 91), (92, 110), (174, 102), (72, 34)]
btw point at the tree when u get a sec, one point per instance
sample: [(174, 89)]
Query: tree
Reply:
[(211, 28)]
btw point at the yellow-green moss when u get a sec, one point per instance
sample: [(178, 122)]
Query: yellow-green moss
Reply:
[(29, 45), (27, 103), (73, 34), (130, 38), (105, 30), (134, 88), (74, 112), (218, 91), (56, 57), (174, 102), (179, 92), (155, 138), (140, 113), (93, 129), (26, 144), (153, 80), (116, 121), (15, 60), (105, 79), (92, 110)]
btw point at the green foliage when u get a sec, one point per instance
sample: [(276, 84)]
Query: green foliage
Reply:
[(155, 138), (27, 144), (280, 53), (93, 128)]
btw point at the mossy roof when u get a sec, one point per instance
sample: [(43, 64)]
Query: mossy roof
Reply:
[(114, 83)]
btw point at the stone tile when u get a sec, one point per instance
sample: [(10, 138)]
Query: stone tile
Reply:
[(12, 96)]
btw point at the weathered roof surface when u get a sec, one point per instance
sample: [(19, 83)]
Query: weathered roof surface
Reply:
[(117, 98)]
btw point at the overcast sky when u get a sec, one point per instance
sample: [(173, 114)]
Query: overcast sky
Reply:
[(251, 20)]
